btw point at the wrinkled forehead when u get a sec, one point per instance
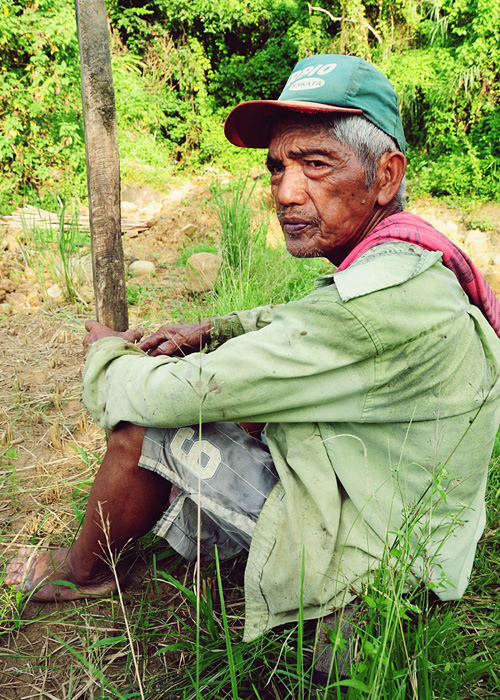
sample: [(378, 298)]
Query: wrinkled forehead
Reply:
[(301, 131), (308, 123)]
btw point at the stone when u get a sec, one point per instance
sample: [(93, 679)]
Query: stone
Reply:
[(477, 241), (478, 246), (79, 268), (11, 244), (202, 270), (151, 211), (128, 209), (189, 230), (7, 285), (492, 275), (449, 228), (55, 293), (32, 292), (87, 293), (19, 301), (142, 268)]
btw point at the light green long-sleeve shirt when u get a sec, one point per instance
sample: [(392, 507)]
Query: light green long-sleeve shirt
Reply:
[(381, 393)]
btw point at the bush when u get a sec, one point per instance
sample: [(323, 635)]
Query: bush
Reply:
[(41, 135), (179, 66)]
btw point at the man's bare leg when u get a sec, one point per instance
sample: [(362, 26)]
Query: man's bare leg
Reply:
[(130, 498)]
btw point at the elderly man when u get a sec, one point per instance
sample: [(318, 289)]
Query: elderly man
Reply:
[(379, 391)]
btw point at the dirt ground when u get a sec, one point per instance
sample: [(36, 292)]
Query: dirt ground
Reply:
[(49, 447)]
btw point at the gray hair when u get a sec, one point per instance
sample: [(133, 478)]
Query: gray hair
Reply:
[(368, 142)]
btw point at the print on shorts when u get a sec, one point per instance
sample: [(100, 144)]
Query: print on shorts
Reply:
[(201, 456)]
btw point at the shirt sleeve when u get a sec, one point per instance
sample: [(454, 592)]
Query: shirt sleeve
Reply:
[(238, 322), (312, 362)]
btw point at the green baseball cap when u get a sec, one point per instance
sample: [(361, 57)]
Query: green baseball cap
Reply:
[(327, 84)]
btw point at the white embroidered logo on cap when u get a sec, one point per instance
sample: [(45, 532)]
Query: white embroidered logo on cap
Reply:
[(307, 84), (320, 69)]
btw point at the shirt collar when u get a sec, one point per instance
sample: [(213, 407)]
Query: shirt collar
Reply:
[(386, 265)]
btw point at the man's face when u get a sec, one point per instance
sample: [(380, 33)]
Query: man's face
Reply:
[(319, 188)]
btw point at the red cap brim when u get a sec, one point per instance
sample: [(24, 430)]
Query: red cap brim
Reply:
[(249, 123)]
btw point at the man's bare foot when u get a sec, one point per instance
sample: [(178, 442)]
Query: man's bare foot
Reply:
[(44, 573)]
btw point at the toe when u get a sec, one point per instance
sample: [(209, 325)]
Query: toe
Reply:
[(14, 571)]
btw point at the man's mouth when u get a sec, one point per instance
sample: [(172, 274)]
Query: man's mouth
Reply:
[(293, 226)]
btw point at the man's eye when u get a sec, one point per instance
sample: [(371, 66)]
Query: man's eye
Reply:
[(316, 163), (274, 168)]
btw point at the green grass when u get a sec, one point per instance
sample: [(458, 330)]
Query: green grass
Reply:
[(252, 273), (56, 251), (408, 647)]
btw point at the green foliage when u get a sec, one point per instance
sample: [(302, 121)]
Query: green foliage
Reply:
[(56, 250), (235, 217), (180, 65), (448, 86), (41, 142)]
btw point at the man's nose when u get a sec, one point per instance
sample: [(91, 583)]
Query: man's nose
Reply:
[(291, 187)]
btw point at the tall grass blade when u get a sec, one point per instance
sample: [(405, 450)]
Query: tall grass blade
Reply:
[(229, 648)]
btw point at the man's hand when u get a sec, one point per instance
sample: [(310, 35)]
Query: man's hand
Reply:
[(180, 339), (97, 330)]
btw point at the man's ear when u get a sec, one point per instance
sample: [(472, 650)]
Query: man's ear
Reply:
[(390, 173)]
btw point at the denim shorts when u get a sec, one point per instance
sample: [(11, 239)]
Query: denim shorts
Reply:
[(223, 473)]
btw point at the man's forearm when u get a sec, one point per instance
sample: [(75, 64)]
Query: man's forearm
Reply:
[(238, 322)]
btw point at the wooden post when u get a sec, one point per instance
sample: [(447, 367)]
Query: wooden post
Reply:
[(103, 166)]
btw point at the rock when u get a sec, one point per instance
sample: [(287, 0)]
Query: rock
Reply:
[(478, 246), (32, 292), (87, 293), (55, 293), (201, 271), (477, 241), (140, 195), (142, 268), (449, 228), (19, 301), (128, 209), (81, 269), (141, 199), (7, 285), (189, 230), (179, 193), (10, 243), (29, 273), (151, 211)]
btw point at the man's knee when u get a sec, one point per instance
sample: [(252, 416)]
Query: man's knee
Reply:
[(126, 439)]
